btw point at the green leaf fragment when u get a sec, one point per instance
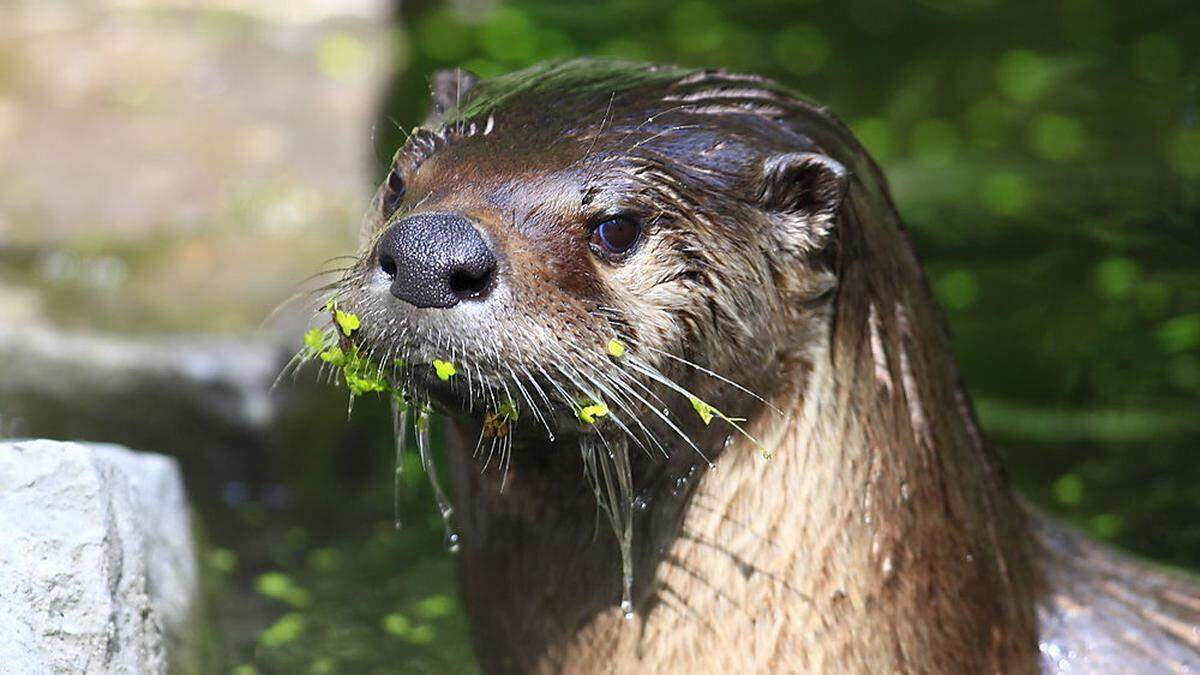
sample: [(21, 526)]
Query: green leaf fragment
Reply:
[(360, 374), (361, 377), (347, 322), (421, 635), (315, 340), (616, 348), (509, 411), (359, 384), (706, 411), (334, 355), (590, 412), (445, 369)]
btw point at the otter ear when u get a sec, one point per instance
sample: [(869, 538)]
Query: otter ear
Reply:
[(803, 184), (448, 87), (806, 191)]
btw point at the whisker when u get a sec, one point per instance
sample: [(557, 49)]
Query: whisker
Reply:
[(712, 374), (616, 419), (669, 422), (617, 397)]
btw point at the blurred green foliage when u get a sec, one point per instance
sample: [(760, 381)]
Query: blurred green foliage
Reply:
[(1046, 157)]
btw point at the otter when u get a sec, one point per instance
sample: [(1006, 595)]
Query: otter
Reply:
[(699, 278)]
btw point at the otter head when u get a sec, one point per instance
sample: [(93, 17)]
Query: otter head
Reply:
[(598, 231)]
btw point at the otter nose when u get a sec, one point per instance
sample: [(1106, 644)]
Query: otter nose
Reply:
[(436, 260)]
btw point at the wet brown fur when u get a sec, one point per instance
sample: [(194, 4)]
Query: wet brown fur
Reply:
[(881, 535)]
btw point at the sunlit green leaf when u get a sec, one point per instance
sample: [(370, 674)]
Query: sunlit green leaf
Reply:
[(444, 369)]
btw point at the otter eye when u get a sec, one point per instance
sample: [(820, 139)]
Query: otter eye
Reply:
[(617, 234), (394, 192)]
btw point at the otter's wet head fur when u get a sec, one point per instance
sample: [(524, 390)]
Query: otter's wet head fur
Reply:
[(735, 254), (860, 524)]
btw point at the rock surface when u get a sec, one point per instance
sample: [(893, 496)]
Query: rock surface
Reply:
[(175, 166), (98, 569)]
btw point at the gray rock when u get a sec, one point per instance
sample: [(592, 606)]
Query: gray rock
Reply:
[(205, 400), (98, 569)]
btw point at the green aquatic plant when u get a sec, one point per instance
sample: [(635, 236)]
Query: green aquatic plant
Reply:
[(616, 348), (605, 455), (591, 412), (444, 369), (316, 340), (708, 412), (361, 376), (347, 322), (333, 345), (704, 410), (508, 410)]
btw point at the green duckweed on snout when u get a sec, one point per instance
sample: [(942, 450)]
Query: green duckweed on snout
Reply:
[(336, 345), (591, 412), (606, 459), (444, 369), (616, 348)]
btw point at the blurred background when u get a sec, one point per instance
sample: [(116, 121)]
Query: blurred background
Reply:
[(171, 171)]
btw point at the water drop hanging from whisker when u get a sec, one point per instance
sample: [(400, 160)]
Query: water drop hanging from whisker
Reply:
[(609, 472), (400, 433), (425, 447)]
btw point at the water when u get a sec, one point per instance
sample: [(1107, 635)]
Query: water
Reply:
[(606, 464), (400, 433), (425, 448)]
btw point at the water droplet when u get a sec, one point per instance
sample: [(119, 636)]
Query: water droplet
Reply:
[(627, 593), (611, 478), (425, 448), (627, 608), (400, 434)]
